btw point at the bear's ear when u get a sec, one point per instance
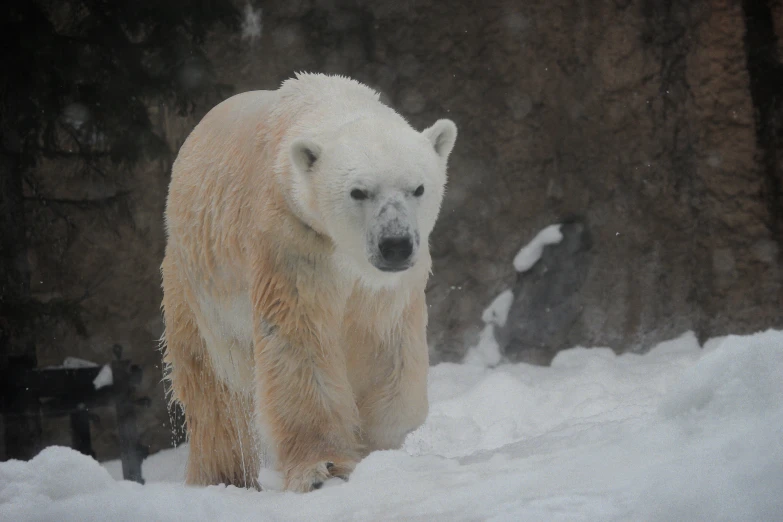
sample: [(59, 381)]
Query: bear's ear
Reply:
[(304, 154), (442, 135)]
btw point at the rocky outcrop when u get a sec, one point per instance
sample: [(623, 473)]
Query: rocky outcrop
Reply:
[(656, 122), (547, 312)]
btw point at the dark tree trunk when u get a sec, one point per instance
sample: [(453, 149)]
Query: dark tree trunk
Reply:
[(766, 89), (17, 349), (765, 73)]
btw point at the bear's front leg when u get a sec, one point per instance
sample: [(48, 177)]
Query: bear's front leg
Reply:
[(397, 404), (306, 408), (307, 413)]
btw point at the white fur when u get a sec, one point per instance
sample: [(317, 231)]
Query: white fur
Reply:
[(238, 256), (229, 331), (348, 140)]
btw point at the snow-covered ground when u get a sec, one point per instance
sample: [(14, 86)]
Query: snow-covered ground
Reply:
[(681, 433)]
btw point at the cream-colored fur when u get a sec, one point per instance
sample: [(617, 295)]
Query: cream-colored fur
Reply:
[(284, 345)]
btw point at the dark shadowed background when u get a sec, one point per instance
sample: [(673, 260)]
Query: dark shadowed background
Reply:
[(653, 128)]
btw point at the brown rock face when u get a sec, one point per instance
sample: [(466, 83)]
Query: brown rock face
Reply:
[(656, 123)]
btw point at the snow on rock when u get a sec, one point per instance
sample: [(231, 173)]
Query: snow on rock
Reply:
[(680, 433), (75, 362), (76, 115), (104, 378), (497, 311), (531, 253), (251, 23), (487, 351)]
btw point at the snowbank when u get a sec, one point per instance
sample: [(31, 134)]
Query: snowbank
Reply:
[(681, 433)]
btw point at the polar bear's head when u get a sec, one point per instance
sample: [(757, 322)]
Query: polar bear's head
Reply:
[(375, 187)]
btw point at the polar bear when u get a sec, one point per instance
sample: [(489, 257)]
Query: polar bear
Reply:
[(298, 223)]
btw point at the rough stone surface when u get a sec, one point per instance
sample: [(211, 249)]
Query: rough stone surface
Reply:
[(634, 115), (547, 312)]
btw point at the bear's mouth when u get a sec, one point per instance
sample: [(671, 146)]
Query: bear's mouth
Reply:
[(384, 267)]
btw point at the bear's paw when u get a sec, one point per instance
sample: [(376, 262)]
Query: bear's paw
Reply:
[(308, 477)]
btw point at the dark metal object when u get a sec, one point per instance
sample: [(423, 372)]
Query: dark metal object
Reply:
[(30, 394)]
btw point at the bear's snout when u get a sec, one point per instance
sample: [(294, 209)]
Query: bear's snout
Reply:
[(395, 253)]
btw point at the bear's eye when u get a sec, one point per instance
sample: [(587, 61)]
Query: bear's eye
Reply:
[(359, 194), (419, 191)]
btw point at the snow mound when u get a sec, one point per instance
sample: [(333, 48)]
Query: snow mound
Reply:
[(680, 433), (726, 379), (55, 474)]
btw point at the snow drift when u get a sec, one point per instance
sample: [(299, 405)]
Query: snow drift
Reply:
[(681, 433)]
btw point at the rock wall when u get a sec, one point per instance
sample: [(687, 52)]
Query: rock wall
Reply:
[(634, 115)]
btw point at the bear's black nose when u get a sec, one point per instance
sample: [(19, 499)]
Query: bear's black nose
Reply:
[(396, 252)]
